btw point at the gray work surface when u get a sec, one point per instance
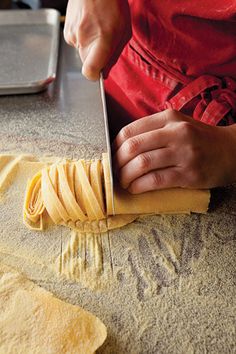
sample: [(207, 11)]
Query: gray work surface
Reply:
[(173, 277), (65, 120)]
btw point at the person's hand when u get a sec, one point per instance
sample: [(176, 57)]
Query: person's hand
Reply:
[(169, 149), (99, 29)]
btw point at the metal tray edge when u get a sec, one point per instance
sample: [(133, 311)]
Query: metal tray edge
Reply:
[(53, 18)]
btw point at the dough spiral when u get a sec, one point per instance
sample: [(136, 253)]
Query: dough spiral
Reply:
[(68, 191)]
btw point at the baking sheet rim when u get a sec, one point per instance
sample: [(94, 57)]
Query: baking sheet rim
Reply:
[(52, 18)]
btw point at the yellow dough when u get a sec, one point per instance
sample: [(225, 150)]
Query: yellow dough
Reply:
[(166, 201), (78, 194), (33, 321)]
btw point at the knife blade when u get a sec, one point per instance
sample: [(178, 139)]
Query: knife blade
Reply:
[(108, 143)]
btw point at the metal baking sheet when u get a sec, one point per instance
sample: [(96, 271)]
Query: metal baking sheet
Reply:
[(28, 50)]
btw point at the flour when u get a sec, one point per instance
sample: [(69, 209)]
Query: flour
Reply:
[(163, 284)]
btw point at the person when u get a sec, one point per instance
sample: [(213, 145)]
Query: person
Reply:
[(171, 86)]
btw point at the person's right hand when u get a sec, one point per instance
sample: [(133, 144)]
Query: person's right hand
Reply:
[(99, 29)]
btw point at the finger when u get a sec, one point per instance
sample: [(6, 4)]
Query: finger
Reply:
[(139, 144), (70, 37), (144, 163), (140, 126), (159, 179), (95, 57)]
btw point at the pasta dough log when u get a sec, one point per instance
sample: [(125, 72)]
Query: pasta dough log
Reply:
[(78, 194)]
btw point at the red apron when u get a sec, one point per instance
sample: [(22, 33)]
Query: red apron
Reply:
[(182, 55)]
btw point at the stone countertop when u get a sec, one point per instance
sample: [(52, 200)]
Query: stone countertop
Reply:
[(165, 284)]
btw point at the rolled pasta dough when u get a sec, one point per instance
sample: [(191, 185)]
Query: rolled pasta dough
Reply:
[(78, 194)]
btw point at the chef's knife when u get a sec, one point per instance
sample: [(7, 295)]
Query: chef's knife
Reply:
[(104, 106)]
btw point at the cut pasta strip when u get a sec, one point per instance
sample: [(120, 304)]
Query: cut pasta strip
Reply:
[(33, 205), (53, 175), (96, 176), (72, 207), (89, 211), (92, 206), (70, 173), (54, 207), (78, 190)]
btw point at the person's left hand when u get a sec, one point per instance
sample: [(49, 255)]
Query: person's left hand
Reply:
[(169, 149)]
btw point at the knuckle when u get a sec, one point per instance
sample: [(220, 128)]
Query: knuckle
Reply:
[(133, 189), (156, 180), (144, 162), (89, 30), (85, 31), (170, 114), (126, 132), (132, 145), (186, 130), (81, 40), (84, 24)]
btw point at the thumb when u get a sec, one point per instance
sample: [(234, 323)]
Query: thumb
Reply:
[(95, 58)]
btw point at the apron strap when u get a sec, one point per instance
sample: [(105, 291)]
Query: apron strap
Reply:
[(215, 98)]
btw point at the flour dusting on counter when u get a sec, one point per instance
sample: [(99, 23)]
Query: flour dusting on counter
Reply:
[(161, 284)]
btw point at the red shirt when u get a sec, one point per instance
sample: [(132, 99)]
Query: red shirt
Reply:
[(182, 55)]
